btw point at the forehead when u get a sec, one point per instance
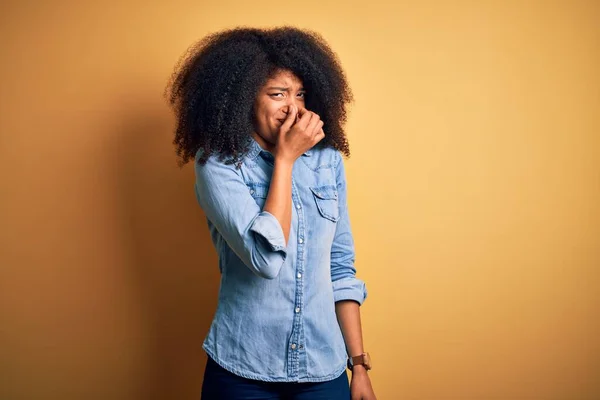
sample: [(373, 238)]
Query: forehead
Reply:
[(284, 78)]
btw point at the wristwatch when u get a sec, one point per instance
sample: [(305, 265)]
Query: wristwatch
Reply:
[(362, 359)]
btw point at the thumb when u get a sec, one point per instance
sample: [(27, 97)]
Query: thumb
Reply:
[(290, 119)]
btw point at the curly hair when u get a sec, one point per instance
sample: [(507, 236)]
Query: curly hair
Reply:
[(215, 83)]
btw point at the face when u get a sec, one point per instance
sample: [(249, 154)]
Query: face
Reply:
[(271, 104)]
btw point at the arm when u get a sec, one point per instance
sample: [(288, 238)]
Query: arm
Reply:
[(259, 238), (288, 148)]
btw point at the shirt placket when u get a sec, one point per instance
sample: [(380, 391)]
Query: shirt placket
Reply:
[(296, 343)]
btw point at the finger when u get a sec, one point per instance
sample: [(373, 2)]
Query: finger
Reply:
[(301, 111), (319, 136), (290, 119), (313, 125), (305, 117), (318, 128)]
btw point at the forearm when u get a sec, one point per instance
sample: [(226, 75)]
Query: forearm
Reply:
[(279, 199), (348, 316)]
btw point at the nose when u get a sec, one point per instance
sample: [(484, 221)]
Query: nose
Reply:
[(292, 100)]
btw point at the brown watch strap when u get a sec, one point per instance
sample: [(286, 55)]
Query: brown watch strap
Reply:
[(362, 359)]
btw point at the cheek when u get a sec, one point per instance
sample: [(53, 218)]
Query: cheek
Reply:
[(263, 120), (266, 115), (269, 115)]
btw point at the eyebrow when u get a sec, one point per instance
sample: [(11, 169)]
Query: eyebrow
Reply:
[(285, 89)]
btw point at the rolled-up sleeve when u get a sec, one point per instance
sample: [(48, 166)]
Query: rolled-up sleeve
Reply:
[(346, 286), (267, 227), (254, 235)]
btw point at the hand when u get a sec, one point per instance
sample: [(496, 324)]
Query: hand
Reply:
[(300, 131), (360, 386)]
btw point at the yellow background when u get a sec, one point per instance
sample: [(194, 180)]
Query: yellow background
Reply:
[(474, 194)]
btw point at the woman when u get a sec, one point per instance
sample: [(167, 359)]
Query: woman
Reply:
[(261, 113)]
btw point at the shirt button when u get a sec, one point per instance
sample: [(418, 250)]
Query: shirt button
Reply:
[(299, 275), (300, 240), (251, 191), (293, 345), (297, 205), (297, 309)]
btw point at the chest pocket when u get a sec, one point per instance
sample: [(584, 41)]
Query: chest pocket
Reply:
[(326, 198)]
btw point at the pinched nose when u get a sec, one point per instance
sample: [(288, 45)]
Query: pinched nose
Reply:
[(285, 110)]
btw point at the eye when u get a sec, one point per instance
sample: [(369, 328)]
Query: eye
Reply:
[(302, 95), (275, 94)]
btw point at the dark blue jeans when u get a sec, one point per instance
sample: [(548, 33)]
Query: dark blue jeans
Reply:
[(220, 384)]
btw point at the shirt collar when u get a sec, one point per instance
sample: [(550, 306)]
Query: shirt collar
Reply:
[(255, 149)]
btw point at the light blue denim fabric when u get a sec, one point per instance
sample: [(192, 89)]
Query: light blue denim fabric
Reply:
[(275, 319)]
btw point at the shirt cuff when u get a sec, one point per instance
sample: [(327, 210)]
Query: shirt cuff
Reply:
[(349, 289), (267, 226)]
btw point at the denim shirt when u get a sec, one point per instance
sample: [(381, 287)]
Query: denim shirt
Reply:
[(275, 319)]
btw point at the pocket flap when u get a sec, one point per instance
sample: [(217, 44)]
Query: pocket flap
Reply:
[(327, 192)]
